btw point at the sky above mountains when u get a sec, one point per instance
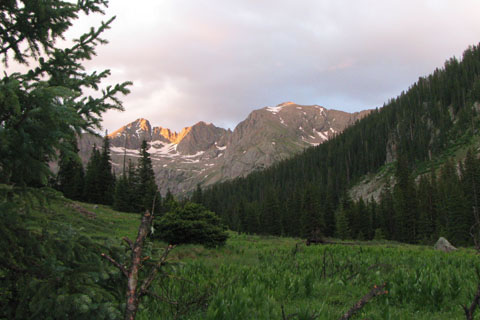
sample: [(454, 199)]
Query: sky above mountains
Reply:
[(217, 60)]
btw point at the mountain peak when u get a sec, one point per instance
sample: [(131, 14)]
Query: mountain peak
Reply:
[(204, 153), (287, 103)]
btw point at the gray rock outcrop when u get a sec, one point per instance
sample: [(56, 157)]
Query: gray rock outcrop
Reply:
[(442, 244)]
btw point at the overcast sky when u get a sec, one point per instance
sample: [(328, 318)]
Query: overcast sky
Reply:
[(218, 60)]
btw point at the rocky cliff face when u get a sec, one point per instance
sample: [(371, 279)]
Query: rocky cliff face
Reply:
[(208, 154)]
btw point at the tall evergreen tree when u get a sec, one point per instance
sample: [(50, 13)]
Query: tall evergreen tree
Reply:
[(147, 187), (197, 196), (122, 195), (41, 109), (105, 178), (427, 208), (405, 203), (70, 177), (453, 206), (92, 187)]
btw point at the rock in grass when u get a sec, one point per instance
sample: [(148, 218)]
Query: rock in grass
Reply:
[(442, 244)]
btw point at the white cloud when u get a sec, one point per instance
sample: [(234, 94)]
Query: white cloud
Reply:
[(216, 61)]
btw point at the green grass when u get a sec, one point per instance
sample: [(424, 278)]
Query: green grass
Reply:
[(106, 224), (252, 277)]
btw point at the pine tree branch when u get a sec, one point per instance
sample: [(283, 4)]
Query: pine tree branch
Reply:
[(116, 264), (376, 291)]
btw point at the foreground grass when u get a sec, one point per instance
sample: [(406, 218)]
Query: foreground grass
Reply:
[(253, 277)]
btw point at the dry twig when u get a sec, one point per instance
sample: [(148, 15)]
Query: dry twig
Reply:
[(376, 291)]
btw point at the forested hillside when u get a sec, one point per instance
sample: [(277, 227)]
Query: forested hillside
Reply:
[(303, 195)]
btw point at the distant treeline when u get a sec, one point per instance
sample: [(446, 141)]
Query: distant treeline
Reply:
[(309, 192)]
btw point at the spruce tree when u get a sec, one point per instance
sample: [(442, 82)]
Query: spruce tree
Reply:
[(92, 187), (169, 204), (70, 176), (453, 207), (197, 196), (105, 178), (147, 187), (405, 203), (343, 230), (427, 208), (41, 109), (122, 195)]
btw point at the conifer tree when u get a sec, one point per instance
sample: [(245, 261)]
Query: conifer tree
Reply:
[(169, 203), (251, 218), (105, 178), (70, 177), (147, 187), (43, 108), (272, 217), (197, 196), (92, 188), (427, 207), (453, 208), (312, 219), (342, 221), (471, 186), (405, 203), (122, 196)]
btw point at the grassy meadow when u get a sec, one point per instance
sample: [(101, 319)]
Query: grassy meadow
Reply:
[(255, 277)]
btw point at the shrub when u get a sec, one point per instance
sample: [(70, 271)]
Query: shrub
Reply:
[(191, 223)]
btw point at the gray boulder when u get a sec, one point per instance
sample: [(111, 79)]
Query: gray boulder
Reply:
[(442, 244)]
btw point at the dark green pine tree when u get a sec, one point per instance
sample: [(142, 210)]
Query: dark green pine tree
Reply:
[(313, 223), (105, 178), (122, 196), (92, 188), (453, 208), (197, 196), (343, 230), (427, 208), (70, 177), (46, 105), (251, 218), (405, 203), (169, 204), (329, 213), (147, 187), (471, 187), (134, 198), (272, 216), (386, 213)]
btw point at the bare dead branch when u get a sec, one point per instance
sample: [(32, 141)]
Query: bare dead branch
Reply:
[(153, 272), (129, 242), (376, 291), (116, 264), (134, 293)]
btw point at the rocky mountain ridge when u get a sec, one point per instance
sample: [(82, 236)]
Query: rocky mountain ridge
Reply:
[(206, 154)]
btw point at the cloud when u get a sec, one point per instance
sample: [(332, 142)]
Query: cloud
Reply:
[(216, 61)]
